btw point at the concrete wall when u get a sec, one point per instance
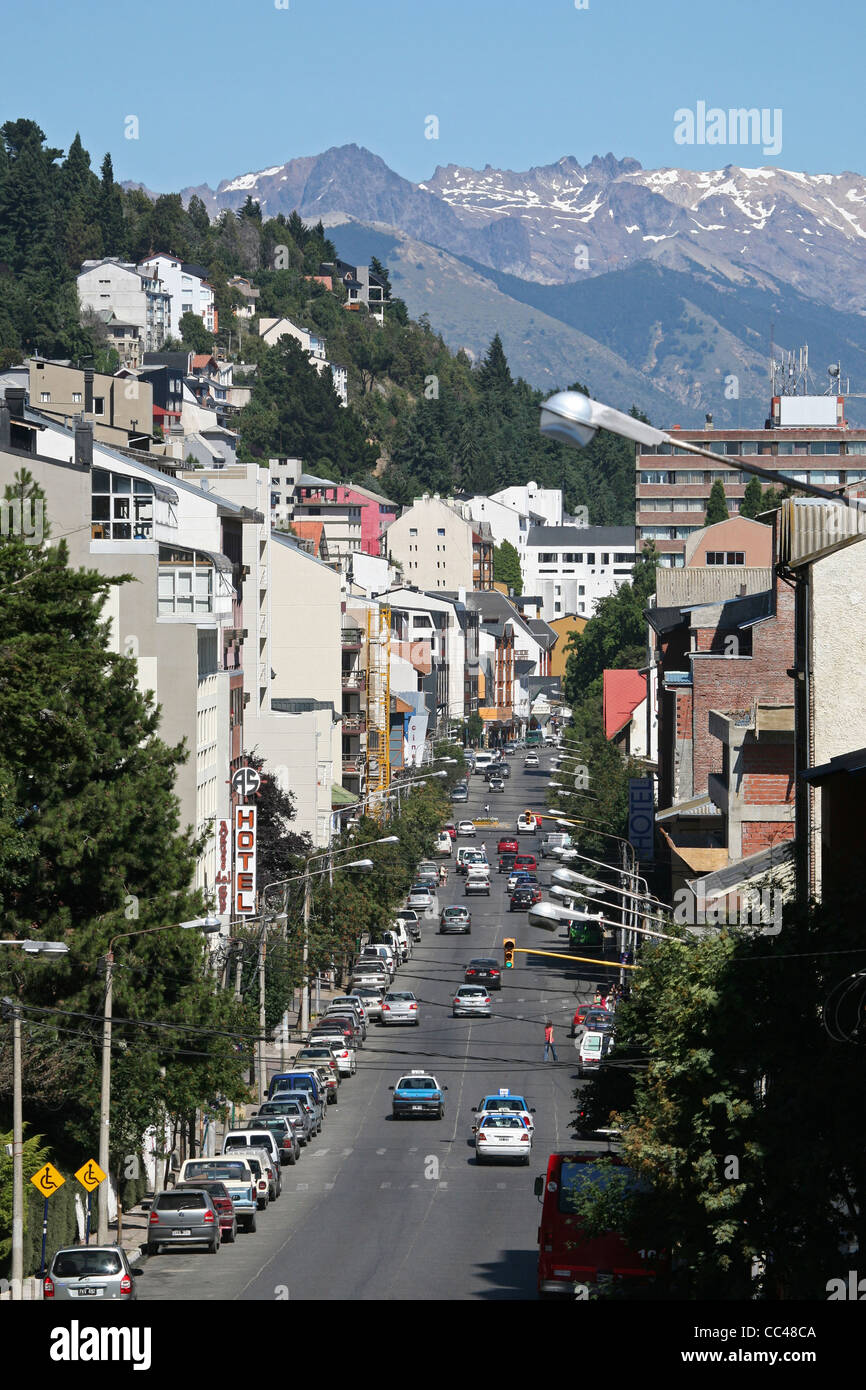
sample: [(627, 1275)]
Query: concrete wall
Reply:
[(737, 533), (429, 560)]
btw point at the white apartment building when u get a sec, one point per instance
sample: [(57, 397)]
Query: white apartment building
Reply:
[(135, 296), (532, 500), (189, 290), (572, 567), (438, 548)]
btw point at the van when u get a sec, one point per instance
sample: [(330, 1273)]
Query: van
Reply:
[(400, 931), (469, 854), (484, 760), (594, 1048), (383, 952), (554, 841), (257, 1138)]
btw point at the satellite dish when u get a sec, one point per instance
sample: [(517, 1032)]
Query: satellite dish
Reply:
[(833, 369)]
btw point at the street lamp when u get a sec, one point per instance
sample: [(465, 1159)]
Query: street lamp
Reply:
[(209, 925), (573, 418), (12, 1010)]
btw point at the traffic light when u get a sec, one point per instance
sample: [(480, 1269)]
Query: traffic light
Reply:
[(508, 949)]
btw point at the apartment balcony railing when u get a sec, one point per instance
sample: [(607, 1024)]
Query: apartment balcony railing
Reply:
[(354, 723), (354, 680), (353, 767), (352, 639)]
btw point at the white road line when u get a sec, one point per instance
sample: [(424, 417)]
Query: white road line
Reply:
[(384, 1184), (328, 1186), (346, 1152), (381, 1151), (302, 1187), (317, 1153)]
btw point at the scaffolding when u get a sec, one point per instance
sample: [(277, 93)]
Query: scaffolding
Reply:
[(378, 698)]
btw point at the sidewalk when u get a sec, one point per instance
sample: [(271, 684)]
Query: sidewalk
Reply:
[(135, 1221)]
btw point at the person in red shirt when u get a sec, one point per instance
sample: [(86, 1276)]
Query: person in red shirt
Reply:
[(549, 1045)]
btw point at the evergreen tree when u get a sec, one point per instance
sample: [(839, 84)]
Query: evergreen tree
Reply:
[(506, 567), (751, 503), (194, 334), (717, 507), (110, 211)]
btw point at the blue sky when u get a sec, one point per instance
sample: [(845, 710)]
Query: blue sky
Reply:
[(223, 88)]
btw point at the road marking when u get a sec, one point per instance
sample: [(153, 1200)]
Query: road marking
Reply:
[(501, 1185), (414, 1149), (317, 1153), (346, 1152), (414, 1184), (381, 1151), (328, 1186), (443, 1185), (384, 1184), (302, 1187)]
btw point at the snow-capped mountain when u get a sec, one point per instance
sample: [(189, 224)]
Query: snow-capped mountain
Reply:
[(566, 222)]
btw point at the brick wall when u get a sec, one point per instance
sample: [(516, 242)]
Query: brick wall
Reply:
[(684, 713), (733, 683), (768, 773), (761, 834)]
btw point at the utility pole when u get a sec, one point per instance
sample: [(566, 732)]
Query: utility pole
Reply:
[(105, 1101), (263, 1070), (17, 1161), (305, 984)]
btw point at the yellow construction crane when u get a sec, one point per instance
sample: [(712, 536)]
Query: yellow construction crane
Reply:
[(378, 700)]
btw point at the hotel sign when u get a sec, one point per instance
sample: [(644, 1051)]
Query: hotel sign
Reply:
[(244, 895)]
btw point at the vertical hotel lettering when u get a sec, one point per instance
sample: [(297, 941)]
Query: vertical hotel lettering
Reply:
[(245, 861)]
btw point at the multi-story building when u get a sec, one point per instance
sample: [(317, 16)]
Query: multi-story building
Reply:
[(189, 290), (572, 567), (438, 548), (135, 295), (362, 286), (353, 518), (249, 293), (120, 407), (805, 437)]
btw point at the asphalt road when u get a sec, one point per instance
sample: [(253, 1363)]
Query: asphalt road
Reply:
[(381, 1209)]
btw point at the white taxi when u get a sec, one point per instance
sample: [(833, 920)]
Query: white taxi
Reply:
[(507, 1102), (501, 1135)]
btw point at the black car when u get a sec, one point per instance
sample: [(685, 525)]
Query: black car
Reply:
[(483, 970), (524, 896), (503, 769), (506, 861), (598, 1021)]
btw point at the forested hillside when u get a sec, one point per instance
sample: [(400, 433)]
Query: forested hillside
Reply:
[(420, 418)]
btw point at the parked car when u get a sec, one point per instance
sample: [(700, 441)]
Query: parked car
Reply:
[(371, 997), (331, 1035), (422, 899), (297, 1110), (237, 1175), (95, 1273), (443, 844), (260, 1164), (289, 1081), (411, 920), (223, 1205), (483, 970), (185, 1215), (455, 918), (384, 953), (285, 1135), (369, 975), (400, 1006), (471, 1001), (353, 1002), (460, 794), (324, 1058), (258, 1142), (345, 1015)]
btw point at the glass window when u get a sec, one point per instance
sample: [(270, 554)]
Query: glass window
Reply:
[(581, 588), (99, 405), (45, 397), (731, 446), (440, 530), (855, 446), (413, 530), (590, 558)]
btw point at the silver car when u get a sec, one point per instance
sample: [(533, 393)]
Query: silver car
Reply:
[(297, 1110), (471, 1001), (400, 1006), (185, 1216), (371, 998), (94, 1273)]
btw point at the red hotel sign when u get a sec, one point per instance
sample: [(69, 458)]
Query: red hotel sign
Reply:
[(224, 865), (245, 861)]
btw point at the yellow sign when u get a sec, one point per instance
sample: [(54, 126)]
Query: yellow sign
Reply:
[(47, 1180), (90, 1175)]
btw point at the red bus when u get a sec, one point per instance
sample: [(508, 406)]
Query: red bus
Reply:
[(569, 1262)]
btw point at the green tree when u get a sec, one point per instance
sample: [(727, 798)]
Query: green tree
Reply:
[(717, 507), (751, 503), (194, 334), (506, 567)]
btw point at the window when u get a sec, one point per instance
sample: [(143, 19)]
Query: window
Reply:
[(654, 477), (557, 608), (828, 447), (76, 398), (413, 530), (689, 477), (99, 405), (793, 448), (726, 557), (581, 588), (121, 507), (184, 587), (654, 504), (731, 446), (623, 557), (547, 557), (605, 557), (854, 446), (590, 558), (45, 397), (440, 530), (557, 588), (820, 476), (581, 607)]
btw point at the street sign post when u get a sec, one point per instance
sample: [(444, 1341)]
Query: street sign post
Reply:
[(47, 1181), (90, 1175)]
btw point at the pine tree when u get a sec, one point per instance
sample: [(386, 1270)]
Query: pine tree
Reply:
[(751, 503), (717, 507), (506, 567), (110, 211)]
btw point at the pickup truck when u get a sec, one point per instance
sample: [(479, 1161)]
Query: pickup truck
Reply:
[(238, 1177)]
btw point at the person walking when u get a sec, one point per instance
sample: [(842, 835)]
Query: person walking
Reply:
[(549, 1045)]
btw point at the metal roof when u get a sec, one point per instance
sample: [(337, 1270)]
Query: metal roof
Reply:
[(709, 584), (582, 536), (810, 528), (779, 857)]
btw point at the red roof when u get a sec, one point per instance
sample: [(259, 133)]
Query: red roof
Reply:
[(201, 359), (158, 410), (623, 691), (310, 531)]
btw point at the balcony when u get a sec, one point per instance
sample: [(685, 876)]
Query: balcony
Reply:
[(354, 767), (354, 723), (351, 639), (354, 680)]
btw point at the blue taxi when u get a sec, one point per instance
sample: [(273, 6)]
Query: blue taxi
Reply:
[(506, 1100), (418, 1093)]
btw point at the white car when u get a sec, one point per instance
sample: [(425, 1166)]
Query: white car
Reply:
[(506, 1102), (531, 760), (443, 844), (471, 1001), (502, 1135), (526, 823), (371, 998), (467, 828), (477, 880), (400, 1006)]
